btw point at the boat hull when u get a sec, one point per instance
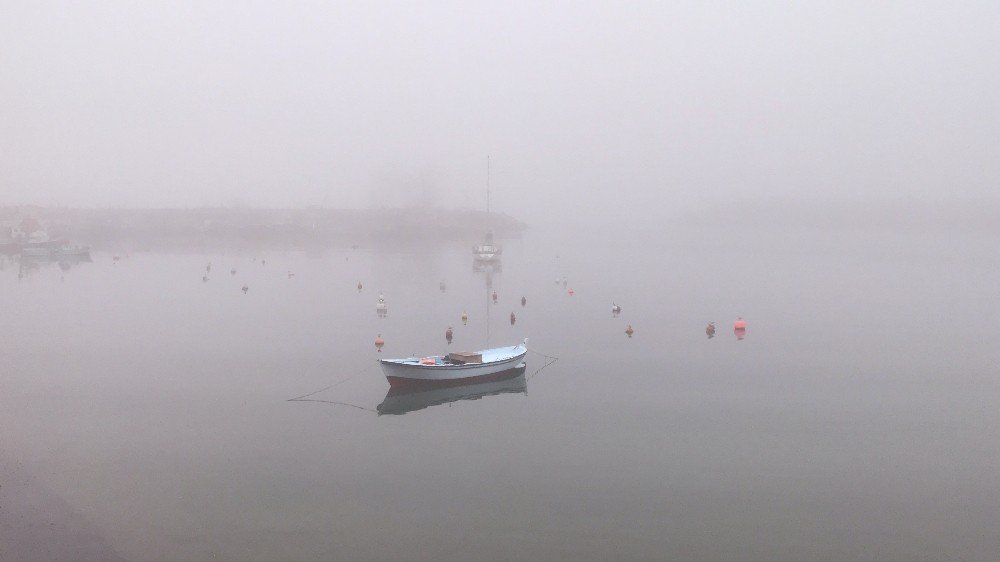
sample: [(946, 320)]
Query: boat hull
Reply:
[(400, 373)]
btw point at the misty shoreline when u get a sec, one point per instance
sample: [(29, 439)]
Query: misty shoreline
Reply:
[(256, 228)]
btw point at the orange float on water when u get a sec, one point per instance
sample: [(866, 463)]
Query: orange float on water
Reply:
[(379, 342), (571, 292), (740, 328)]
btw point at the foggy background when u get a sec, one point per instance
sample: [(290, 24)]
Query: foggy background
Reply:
[(589, 110)]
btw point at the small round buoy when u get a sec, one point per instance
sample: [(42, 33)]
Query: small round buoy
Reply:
[(448, 334), (360, 286), (379, 342), (512, 318), (629, 331), (245, 289), (740, 328), (465, 318), (524, 301), (204, 278), (571, 292), (494, 297), (710, 330)]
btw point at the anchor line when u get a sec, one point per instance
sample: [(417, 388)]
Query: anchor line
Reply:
[(332, 402), (300, 398), (550, 361)]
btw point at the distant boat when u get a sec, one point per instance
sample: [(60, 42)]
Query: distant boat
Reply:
[(455, 366), (28, 234), (417, 396), (488, 251)]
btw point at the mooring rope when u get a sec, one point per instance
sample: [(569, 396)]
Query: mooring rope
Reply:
[(332, 402), (300, 398), (550, 361), (305, 397)]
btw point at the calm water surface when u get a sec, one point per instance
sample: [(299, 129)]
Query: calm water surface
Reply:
[(857, 420)]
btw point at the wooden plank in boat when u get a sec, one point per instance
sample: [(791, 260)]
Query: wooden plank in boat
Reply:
[(465, 357)]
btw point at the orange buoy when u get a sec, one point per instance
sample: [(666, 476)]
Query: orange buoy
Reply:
[(740, 328), (571, 292), (629, 331), (379, 342)]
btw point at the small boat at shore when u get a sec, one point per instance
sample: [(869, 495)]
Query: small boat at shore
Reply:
[(454, 366)]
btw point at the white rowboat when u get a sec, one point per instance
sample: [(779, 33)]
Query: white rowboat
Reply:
[(454, 366)]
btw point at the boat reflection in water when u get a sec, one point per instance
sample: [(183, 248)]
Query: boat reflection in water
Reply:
[(417, 395)]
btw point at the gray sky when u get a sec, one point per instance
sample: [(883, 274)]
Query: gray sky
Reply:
[(642, 108)]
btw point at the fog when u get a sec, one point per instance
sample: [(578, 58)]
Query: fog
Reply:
[(588, 110), (753, 246)]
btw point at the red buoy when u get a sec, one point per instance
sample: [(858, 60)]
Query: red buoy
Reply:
[(571, 292), (629, 331), (740, 328), (379, 342)]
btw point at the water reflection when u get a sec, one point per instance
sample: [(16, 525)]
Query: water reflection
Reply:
[(419, 395), (29, 264)]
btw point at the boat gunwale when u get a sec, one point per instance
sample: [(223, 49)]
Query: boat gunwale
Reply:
[(413, 362)]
